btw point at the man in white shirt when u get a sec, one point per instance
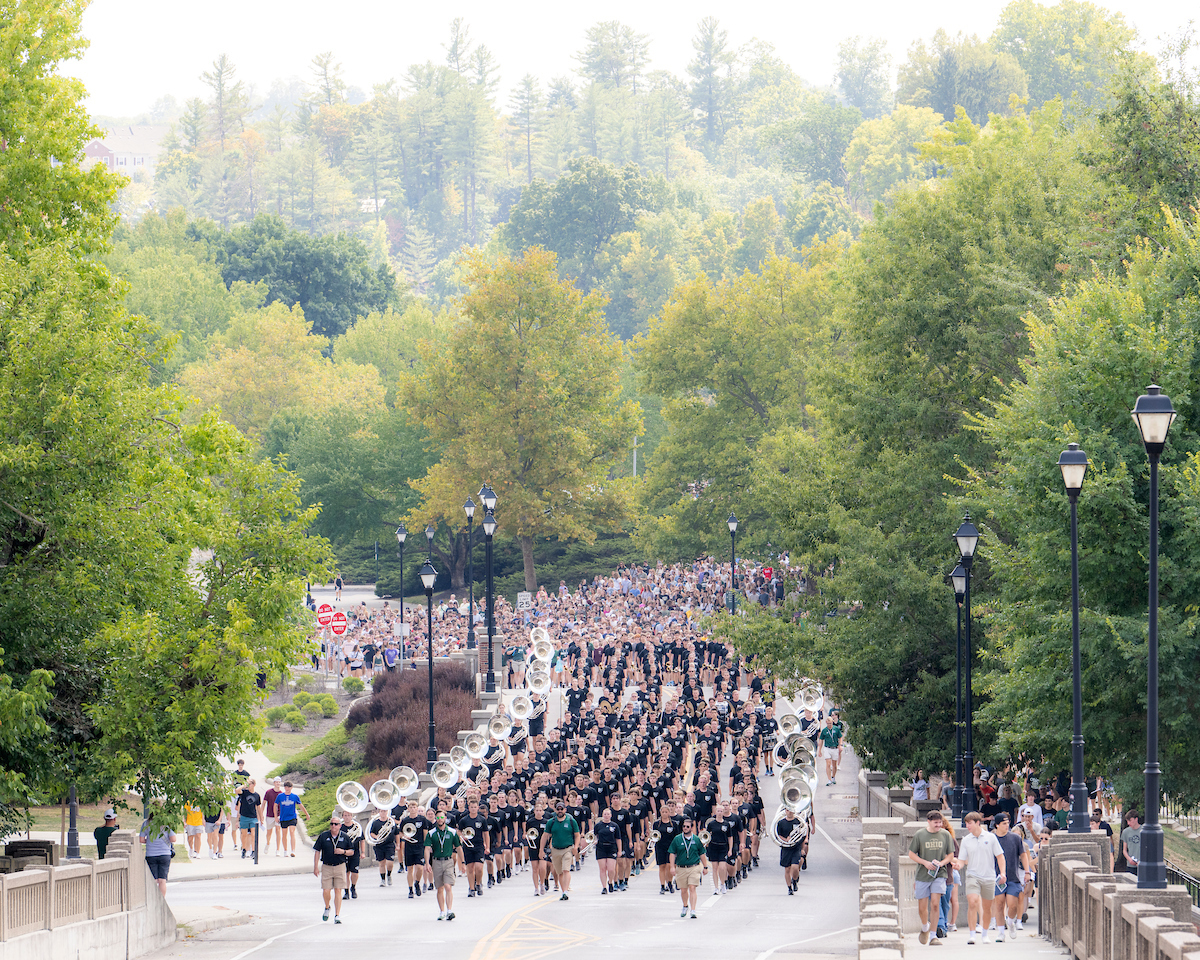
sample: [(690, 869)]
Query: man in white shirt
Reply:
[(1030, 806), (980, 853)]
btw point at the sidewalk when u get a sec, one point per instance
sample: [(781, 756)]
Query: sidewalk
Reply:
[(1027, 946)]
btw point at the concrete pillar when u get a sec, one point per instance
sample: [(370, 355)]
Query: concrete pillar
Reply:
[(890, 829)]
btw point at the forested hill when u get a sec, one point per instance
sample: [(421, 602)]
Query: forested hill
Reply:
[(635, 177)]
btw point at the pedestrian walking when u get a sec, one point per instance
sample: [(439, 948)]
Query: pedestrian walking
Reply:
[(331, 851), (689, 864), (932, 850)]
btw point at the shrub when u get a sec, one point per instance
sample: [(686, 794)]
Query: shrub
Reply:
[(304, 680), (397, 716), (329, 706), (314, 710), (275, 715), (296, 720), (353, 686), (339, 756), (300, 699)]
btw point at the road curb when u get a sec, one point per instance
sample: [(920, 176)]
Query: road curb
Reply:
[(214, 918), (239, 874)]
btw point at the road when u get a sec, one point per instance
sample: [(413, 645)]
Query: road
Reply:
[(755, 921)]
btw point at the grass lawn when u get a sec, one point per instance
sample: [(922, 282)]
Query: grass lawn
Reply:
[(1181, 851), (281, 745)]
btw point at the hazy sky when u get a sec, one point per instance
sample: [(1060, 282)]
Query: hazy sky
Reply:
[(143, 49)]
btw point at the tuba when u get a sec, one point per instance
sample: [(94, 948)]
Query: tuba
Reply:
[(538, 681), (795, 795), (406, 780), (517, 736), (443, 774), (795, 835), (782, 753), (539, 635), (812, 697), (521, 708), (543, 650), (352, 795), (384, 794), (499, 727), (386, 829)]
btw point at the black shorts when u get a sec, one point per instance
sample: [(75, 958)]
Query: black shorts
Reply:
[(353, 862), (414, 855), (473, 854), (159, 866), (662, 856), (790, 856), (385, 851), (717, 854), (606, 853), (287, 823)]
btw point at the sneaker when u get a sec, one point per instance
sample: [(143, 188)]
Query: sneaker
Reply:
[(564, 897), (491, 882), (999, 936), (833, 781), (410, 893), (987, 937), (936, 942), (970, 936), (212, 855), (450, 915), (1019, 924), (441, 916), (389, 879), (345, 894), (325, 915), (243, 854), (470, 894), (604, 891), (941, 933), (337, 919), (683, 912), (693, 915), (661, 890), (924, 937), (791, 892), (419, 888), (952, 928), (382, 882)]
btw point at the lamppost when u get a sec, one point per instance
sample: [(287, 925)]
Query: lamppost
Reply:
[(469, 507), (732, 523), (1154, 415), (958, 580), (428, 578), (73, 830), (967, 537), (401, 536), (1073, 464), (488, 496), (429, 532)]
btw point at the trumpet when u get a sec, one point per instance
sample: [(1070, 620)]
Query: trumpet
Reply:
[(443, 774), (704, 836), (499, 727), (406, 780), (384, 794), (531, 835), (409, 831), (475, 745), (538, 681), (521, 708), (352, 795)]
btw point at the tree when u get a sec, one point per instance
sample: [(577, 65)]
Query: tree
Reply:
[(1070, 49), (712, 86), (389, 340), (615, 55), (459, 49), (863, 76), (962, 72), (525, 398), (331, 88), (330, 277), (885, 153), (229, 104), (526, 105), (816, 143)]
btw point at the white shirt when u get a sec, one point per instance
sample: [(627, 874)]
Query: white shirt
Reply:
[(980, 852), (1030, 808)]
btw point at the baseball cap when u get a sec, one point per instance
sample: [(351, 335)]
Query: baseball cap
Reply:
[(110, 814)]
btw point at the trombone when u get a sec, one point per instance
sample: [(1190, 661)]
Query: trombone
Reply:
[(704, 836), (409, 831)]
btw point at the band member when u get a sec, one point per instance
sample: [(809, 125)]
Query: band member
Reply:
[(788, 833), (331, 850), (442, 850), (414, 843), (561, 838), (381, 834), (687, 858), (354, 834), (608, 846), (668, 830), (623, 818), (720, 838), (535, 828), (475, 838)]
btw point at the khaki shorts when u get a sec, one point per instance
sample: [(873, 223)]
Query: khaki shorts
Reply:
[(443, 873), (688, 876), (985, 889), (561, 857), (333, 876)]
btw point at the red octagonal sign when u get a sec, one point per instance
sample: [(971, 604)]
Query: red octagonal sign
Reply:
[(324, 614), (339, 623)]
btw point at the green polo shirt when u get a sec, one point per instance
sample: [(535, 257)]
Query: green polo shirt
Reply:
[(562, 832), (687, 850), (443, 842)]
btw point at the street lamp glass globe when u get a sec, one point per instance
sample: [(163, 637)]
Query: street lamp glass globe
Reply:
[(958, 580), (489, 523), (469, 507), (1073, 464), (967, 536), (401, 533), (732, 522), (429, 532), (489, 498), (1154, 415), (428, 576)]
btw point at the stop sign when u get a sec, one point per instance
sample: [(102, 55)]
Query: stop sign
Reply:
[(339, 623), (324, 614)]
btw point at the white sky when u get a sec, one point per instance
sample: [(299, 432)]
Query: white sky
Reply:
[(143, 49)]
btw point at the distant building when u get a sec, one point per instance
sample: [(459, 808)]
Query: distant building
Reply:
[(129, 149)]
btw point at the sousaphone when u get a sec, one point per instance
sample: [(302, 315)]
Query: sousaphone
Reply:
[(352, 795), (405, 780)]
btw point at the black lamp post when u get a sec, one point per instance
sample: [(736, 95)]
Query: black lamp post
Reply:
[(73, 829), (428, 578), (1073, 464), (1154, 415), (489, 528), (401, 536), (967, 537), (958, 580), (469, 507), (429, 532), (732, 523)]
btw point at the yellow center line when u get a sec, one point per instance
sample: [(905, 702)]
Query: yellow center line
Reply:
[(517, 934)]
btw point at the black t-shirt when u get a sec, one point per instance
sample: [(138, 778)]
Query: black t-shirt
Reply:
[(334, 851), (248, 803), (705, 800), (607, 837), (478, 823), (721, 830), (420, 822), (1013, 847)]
